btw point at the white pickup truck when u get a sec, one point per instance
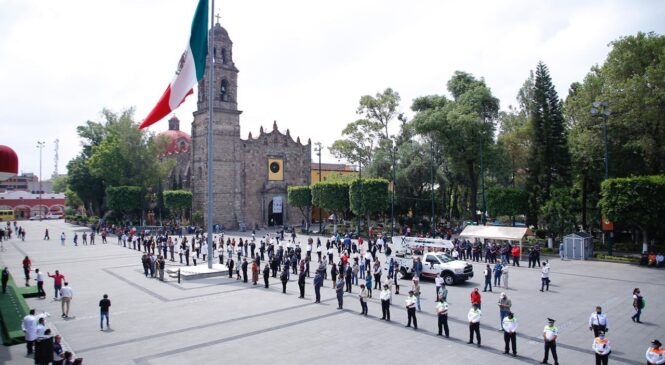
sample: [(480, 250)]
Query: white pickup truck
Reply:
[(435, 261)]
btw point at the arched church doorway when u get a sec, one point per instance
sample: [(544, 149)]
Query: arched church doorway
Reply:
[(275, 212)]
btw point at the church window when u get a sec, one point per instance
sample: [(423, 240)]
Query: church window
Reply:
[(200, 172), (224, 91), (224, 56)]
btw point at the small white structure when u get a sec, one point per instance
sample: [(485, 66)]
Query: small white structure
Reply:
[(578, 246)]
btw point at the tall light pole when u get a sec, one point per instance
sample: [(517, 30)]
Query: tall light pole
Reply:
[(318, 153), (602, 108), (40, 145), (433, 224), (482, 179), (392, 196)]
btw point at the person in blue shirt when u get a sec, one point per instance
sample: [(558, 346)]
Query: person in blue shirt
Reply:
[(497, 274)]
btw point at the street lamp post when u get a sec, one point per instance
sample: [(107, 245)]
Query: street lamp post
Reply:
[(482, 180), (392, 196), (318, 153), (433, 224), (40, 145), (602, 108)]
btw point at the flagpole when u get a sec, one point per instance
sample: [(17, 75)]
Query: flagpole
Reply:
[(211, 80)]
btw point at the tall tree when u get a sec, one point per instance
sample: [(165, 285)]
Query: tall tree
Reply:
[(381, 108), (359, 142), (549, 159)]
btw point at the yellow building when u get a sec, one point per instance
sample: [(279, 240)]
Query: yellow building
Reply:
[(330, 171)]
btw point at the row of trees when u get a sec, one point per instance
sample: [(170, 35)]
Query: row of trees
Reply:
[(363, 197), (541, 159)]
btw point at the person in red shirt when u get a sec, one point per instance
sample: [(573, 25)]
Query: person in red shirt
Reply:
[(26, 270), (58, 278), (475, 297), (516, 255)]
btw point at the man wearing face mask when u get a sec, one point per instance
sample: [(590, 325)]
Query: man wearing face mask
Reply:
[(598, 322), (655, 354), (601, 346)]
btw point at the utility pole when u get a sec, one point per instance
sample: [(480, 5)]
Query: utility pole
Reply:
[(433, 223), (602, 108), (392, 196), (40, 145), (318, 153), (482, 180)]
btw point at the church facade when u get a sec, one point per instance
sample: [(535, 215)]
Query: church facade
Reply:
[(251, 176)]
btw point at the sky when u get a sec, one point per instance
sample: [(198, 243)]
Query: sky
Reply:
[(304, 64)]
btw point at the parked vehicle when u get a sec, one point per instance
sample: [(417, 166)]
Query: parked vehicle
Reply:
[(435, 261)]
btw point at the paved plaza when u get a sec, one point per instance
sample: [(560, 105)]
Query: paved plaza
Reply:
[(217, 320)]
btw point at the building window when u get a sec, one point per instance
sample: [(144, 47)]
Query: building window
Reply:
[(224, 91), (224, 56)]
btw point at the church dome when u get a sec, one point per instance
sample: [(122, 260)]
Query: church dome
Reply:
[(178, 141)]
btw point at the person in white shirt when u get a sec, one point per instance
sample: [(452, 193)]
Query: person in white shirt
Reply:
[(598, 322), (474, 323), (66, 293), (385, 302), (545, 276), (655, 354), (438, 281), (40, 284), (411, 310), (29, 327), (550, 335), (509, 326), (442, 314), (40, 328), (601, 346)]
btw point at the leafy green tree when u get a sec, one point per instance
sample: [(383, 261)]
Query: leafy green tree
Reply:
[(464, 125), (359, 142), (636, 201), (89, 189), (179, 200), (368, 197), (331, 196), (124, 199), (59, 184), (381, 108), (559, 213), (507, 201), (549, 159), (301, 198)]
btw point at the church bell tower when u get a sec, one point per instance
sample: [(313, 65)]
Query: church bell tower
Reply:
[(227, 165)]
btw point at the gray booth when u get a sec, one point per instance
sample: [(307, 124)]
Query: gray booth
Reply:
[(578, 246)]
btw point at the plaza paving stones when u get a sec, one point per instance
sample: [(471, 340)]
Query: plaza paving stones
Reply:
[(217, 319)]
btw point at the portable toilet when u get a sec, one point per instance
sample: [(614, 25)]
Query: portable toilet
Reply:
[(578, 246)]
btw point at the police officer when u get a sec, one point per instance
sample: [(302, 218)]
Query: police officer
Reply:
[(655, 354), (385, 302), (509, 325), (598, 322), (601, 346), (411, 310), (550, 334), (442, 314), (474, 316)]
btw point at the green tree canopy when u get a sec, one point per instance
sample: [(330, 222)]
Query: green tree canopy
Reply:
[(507, 201), (124, 198), (177, 199), (301, 198), (331, 196)]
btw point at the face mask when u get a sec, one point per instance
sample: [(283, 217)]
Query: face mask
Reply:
[(602, 337), (598, 312)]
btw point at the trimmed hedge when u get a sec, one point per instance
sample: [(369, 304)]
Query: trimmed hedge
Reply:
[(12, 310)]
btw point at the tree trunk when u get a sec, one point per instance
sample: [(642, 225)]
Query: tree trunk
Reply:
[(645, 240), (585, 180), (473, 185)]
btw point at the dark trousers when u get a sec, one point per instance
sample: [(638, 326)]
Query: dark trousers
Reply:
[(510, 338), (265, 280), (516, 261), (348, 285), (550, 346), (443, 324), (317, 293), (385, 309), (636, 316), (340, 299), (302, 289), (597, 329), (474, 328), (40, 289), (284, 286), (602, 359), (545, 284), (4, 286), (411, 314), (363, 306), (244, 276), (30, 345), (377, 281), (488, 283)]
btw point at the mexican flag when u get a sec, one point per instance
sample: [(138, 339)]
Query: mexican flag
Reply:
[(190, 68)]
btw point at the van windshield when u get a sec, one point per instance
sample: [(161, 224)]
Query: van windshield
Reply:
[(444, 258)]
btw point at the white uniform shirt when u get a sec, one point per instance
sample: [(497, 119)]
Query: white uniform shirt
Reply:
[(29, 326), (656, 356), (599, 320), (546, 271), (550, 332), (509, 325), (438, 281), (441, 308), (410, 302), (66, 292), (385, 294), (40, 277), (601, 346), (474, 315)]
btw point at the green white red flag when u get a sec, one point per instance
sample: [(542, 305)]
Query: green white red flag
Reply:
[(190, 68)]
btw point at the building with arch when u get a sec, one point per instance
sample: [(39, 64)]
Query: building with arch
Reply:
[(26, 204)]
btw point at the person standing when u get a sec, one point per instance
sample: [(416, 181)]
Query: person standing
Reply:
[(363, 299), (229, 264), (385, 302), (504, 308), (339, 290), (598, 322), (442, 314), (318, 283), (601, 346), (266, 275), (244, 270), (488, 278), (284, 277), (255, 273), (377, 274), (62, 238), (67, 294), (161, 264), (545, 276), (550, 335), (27, 264), (301, 284), (509, 326), (416, 291), (57, 282), (475, 297), (638, 305), (497, 274), (348, 277), (40, 284), (474, 316), (411, 309), (46, 236), (104, 306), (438, 281), (504, 276), (655, 354), (29, 327), (5, 279), (57, 350)]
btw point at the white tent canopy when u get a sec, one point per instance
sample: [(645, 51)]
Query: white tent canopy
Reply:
[(495, 232)]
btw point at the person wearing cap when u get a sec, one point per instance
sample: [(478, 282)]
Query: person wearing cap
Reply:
[(598, 322), (504, 308), (601, 346), (415, 288), (411, 309), (385, 302), (509, 326), (364, 295), (550, 334), (655, 354), (474, 323), (442, 314)]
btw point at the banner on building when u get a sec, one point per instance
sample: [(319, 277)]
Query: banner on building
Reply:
[(277, 204)]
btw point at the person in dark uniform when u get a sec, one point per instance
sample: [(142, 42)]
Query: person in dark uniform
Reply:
[(266, 275), (244, 270), (318, 283), (284, 277), (550, 334), (229, 264), (301, 284)]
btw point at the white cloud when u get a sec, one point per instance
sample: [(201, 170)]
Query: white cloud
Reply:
[(302, 63)]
